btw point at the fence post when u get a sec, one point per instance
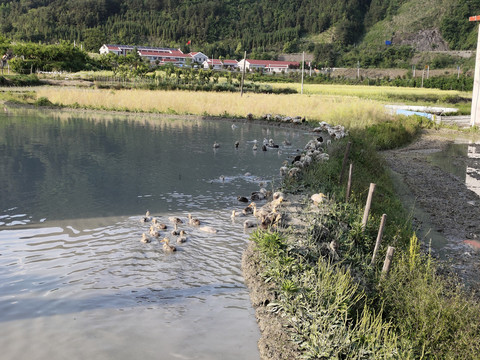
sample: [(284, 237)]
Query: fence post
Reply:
[(344, 163), (349, 183), (388, 261), (379, 238), (367, 206)]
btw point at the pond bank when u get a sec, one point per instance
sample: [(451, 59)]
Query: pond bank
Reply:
[(421, 312)]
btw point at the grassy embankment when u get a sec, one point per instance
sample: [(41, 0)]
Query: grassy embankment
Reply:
[(344, 308)]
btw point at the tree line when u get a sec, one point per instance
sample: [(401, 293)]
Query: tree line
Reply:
[(229, 27)]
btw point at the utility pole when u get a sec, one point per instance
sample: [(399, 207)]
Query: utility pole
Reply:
[(475, 112)]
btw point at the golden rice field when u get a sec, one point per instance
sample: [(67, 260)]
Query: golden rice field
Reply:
[(346, 110)]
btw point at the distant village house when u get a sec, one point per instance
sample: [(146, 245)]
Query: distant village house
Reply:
[(156, 55), (161, 56), (217, 64), (268, 66)]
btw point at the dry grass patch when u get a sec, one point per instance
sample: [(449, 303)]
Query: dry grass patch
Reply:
[(349, 111)]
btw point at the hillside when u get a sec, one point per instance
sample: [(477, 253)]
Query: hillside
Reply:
[(227, 27)]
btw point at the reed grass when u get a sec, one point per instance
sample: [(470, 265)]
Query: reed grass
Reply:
[(348, 111)]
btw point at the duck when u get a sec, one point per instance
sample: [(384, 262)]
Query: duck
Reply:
[(249, 209), (270, 220), (154, 232), (234, 126), (277, 195), (258, 195), (286, 142), (193, 221), (175, 231), (175, 220), (208, 229), (255, 147), (249, 223), (318, 198), (181, 239), (167, 247), (272, 144), (147, 217), (161, 226), (145, 239), (237, 143), (242, 199), (234, 214), (264, 147), (216, 145)]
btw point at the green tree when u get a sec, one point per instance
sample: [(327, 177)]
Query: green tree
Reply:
[(93, 39)]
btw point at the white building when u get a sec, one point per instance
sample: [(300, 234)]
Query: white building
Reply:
[(198, 57), (214, 64), (269, 66)]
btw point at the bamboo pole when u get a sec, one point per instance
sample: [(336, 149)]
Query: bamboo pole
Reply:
[(344, 163), (379, 238), (349, 183), (388, 261), (367, 206)]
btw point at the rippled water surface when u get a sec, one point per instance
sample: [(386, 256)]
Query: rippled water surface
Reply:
[(76, 282)]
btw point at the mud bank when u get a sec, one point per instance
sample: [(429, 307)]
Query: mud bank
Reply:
[(448, 207)]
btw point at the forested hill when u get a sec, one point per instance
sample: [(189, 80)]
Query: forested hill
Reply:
[(225, 27)]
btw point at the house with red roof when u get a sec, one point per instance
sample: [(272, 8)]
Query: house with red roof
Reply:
[(230, 64), (157, 55), (125, 49), (269, 66), (215, 64), (160, 57), (198, 57)]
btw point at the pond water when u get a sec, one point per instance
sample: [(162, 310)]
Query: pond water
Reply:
[(75, 280)]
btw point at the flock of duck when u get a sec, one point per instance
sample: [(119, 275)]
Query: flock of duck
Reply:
[(264, 217), (157, 227), (267, 143)]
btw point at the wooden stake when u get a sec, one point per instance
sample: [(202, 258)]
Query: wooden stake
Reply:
[(388, 261), (379, 238), (349, 183), (367, 206), (344, 163)]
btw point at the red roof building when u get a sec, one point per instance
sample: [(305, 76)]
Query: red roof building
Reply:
[(271, 66)]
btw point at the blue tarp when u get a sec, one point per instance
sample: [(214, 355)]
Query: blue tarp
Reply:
[(410, 113)]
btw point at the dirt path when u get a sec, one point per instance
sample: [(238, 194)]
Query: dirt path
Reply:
[(448, 207)]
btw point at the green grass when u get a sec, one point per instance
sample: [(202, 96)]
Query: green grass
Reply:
[(343, 308)]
